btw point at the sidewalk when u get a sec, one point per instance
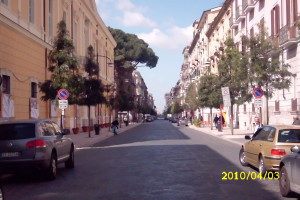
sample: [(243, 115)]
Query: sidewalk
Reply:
[(238, 136), (82, 139)]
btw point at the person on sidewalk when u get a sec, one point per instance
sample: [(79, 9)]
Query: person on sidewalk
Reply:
[(296, 121), (115, 126), (126, 121), (216, 120), (257, 124)]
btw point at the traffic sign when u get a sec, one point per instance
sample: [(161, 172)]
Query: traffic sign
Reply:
[(63, 104), (258, 92), (63, 94), (226, 96), (258, 102)]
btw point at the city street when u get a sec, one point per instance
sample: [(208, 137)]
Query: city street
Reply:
[(155, 160)]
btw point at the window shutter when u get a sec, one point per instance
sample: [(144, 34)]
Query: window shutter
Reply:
[(277, 18), (277, 106), (272, 22), (288, 14), (295, 10)]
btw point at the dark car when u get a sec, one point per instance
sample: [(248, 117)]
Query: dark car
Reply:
[(173, 119), (289, 181), (34, 144)]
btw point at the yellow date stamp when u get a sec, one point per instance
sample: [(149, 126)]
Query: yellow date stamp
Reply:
[(250, 176)]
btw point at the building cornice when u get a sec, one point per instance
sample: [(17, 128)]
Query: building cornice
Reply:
[(11, 24), (221, 13)]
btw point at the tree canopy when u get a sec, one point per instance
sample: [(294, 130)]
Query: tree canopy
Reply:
[(132, 51)]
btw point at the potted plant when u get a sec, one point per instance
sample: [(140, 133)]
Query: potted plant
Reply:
[(75, 130), (197, 122), (85, 128)]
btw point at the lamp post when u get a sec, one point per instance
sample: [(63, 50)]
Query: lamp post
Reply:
[(110, 64)]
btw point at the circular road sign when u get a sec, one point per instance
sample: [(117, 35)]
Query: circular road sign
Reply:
[(63, 94), (258, 92)]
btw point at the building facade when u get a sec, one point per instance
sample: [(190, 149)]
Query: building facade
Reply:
[(27, 31)]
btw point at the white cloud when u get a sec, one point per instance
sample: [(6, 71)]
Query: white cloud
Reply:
[(174, 38), (136, 19)]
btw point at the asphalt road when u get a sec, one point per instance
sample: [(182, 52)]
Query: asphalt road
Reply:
[(152, 161)]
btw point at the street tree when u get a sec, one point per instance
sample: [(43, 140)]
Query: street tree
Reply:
[(191, 98), (92, 93), (265, 69), (64, 68), (130, 53), (233, 73), (176, 108), (209, 92)]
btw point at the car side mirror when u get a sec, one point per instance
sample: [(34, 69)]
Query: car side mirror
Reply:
[(295, 149), (66, 132), (247, 137)]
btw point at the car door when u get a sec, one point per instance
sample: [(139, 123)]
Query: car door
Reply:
[(55, 140), (65, 143), (256, 145), (295, 165)]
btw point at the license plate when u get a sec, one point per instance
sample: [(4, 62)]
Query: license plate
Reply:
[(10, 154)]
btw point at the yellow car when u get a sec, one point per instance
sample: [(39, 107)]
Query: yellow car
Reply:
[(268, 145)]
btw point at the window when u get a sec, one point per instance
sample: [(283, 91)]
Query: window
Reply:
[(6, 84), (65, 17), (4, 2), (17, 131), (245, 108), (294, 104), (289, 136), (291, 12), (51, 18), (31, 11), (277, 106), (275, 21), (33, 90), (57, 128), (265, 134)]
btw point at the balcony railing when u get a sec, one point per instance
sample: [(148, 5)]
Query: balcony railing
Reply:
[(248, 5), (232, 22), (288, 35), (240, 15)]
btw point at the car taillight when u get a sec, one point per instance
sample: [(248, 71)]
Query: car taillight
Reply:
[(36, 143), (279, 152)]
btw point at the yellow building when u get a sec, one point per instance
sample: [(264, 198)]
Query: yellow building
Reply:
[(27, 30)]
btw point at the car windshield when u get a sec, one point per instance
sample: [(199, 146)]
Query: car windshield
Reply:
[(289, 136), (16, 131)]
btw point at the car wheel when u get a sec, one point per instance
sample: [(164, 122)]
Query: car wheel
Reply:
[(242, 158), (261, 166), (52, 168), (70, 162), (284, 183)]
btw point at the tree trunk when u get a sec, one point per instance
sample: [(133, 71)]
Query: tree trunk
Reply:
[(89, 119), (231, 119), (211, 119)]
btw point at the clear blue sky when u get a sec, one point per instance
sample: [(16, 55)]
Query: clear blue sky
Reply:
[(166, 25)]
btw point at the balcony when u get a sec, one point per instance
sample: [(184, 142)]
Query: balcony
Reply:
[(288, 36), (232, 22), (248, 5), (240, 15)]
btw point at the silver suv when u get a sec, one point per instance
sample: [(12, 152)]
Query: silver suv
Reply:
[(34, 144)]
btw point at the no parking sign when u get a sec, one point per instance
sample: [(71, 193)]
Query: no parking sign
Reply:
[(63, 94)]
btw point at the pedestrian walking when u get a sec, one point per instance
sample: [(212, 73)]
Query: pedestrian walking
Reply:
[(125, 120), (115, 126), (296, 121), (216, 120), (257, 124)]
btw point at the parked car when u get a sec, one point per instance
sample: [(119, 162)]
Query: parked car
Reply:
[(268, 145), (149, 118), (289, 180), (34, 144), (183, 121)]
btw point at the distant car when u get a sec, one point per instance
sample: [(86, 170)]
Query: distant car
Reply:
[(183, 121), (268, 145), (289, 180), (160, 118), (173, 119), (149, 118), (35, 144)]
